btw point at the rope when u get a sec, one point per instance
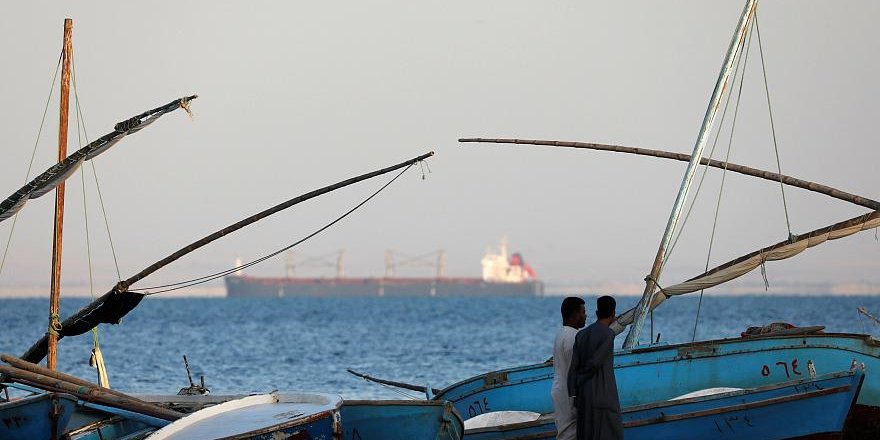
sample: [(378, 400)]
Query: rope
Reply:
[(54, 324), (705, 169), (745, 61), (764, 274), (772, 127), (94, 172), (217, 275), (82, 134), (398, 391), (31, 164)]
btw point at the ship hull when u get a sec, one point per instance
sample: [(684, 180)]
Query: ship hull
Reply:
[(246, 286)]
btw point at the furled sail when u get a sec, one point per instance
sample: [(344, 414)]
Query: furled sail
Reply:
[(747, 263), (46, 182)]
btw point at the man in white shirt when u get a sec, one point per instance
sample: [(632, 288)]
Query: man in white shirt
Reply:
[(574, 316)]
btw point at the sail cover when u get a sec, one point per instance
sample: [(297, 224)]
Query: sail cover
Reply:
[(747, 263), (46, 182), (108, 309)]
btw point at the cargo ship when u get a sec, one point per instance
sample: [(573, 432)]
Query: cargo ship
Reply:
[(503, 275)]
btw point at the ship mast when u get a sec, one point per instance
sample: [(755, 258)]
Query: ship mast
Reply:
[(632, 338), (54, 289)]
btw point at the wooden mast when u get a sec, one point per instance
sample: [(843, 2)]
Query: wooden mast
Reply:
[(632, 338), (54, 292)]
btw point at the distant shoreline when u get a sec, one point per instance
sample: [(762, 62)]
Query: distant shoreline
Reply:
[(616, 289)]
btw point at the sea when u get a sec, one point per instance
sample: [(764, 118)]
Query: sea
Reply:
[(249, 345)]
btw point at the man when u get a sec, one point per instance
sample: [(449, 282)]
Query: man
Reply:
[(574, 316), (591, 377)]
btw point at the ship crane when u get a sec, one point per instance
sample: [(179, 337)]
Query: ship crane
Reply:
[(435, 260), (333, 259)]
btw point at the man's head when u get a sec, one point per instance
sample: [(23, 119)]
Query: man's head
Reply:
[(573, 312), (605, 308)]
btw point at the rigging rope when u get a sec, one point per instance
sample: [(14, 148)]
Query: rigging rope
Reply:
[(96, 358), (772, 126), (95, 173), (706, 168), (204, 279), (33, 155), (745, 61)]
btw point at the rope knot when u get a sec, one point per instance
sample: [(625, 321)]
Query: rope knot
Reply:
[(184, 104), (54, 324)]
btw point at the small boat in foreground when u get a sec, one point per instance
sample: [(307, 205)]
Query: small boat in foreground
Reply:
[(27, 417), (264, 416), (400, 420), (769, 412)]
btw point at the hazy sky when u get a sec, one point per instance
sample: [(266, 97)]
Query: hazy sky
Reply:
[(298, 95)]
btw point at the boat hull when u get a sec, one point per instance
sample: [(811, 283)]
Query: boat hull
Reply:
[(261, 417), (400, 420), (795, 409), (662, 372), (26, 418), (247, 286)]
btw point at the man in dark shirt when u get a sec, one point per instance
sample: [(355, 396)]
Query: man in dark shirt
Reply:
[(591, 377)]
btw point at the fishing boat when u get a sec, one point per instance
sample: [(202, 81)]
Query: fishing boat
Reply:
[(79, 410), (757, 413), (654, 372), (265, 416), (503, 274), (759, 361), (400, 420), (27, 417)]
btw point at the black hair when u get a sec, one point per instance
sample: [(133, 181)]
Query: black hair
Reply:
[(605, 306), (570, 306)]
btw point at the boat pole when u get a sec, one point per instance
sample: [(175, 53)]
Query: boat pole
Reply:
[(729, 166), (55, 286), (632, 338)]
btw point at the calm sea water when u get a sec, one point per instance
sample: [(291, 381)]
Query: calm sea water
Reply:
[(263, 344)]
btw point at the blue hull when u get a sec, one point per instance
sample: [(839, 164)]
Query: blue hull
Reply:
[(400, 420), (662, 372), (788, 410), (27, 418)]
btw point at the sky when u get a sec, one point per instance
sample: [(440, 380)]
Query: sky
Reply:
[(298, 95)]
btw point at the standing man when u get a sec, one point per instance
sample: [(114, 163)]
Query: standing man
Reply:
[(574, 316), (591, 377)]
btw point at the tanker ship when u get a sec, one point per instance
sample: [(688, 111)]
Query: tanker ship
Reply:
[(503, 275)]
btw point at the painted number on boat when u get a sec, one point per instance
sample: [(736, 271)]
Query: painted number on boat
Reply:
[(784, 367), (479, 407), (731, 423)]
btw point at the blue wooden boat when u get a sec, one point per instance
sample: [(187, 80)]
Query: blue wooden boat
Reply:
[(360, 419), (37, 417), (682, 368), (769, 412), (26, 418), (400, 420), (264, 416)]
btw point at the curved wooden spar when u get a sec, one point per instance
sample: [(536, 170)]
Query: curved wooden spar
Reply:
[(406, 386), (741, 169), (116, 303)]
